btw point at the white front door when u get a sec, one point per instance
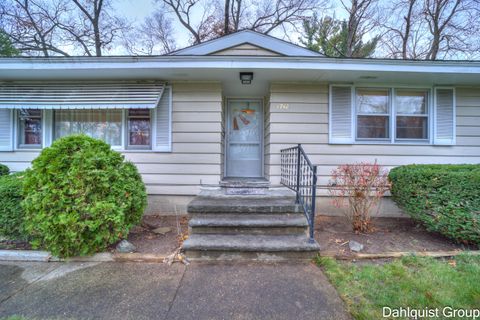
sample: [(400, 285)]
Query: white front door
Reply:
[(244, 138)]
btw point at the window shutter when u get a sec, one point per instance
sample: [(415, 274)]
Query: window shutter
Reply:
[(444, 120), (341, 115), (162, 122), (6, 130)]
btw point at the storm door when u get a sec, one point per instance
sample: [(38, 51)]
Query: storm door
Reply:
[(244, 138)]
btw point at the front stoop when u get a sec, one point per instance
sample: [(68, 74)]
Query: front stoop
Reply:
[(267, 226)]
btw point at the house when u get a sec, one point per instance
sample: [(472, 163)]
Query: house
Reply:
[(226, 107)]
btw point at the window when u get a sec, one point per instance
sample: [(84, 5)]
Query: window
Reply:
[(379, 115), (105, 125), (411, 114), (139, 129), (373, 114), (29, 128)]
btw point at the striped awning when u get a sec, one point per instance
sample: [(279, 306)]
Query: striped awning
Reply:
[(80, 95)]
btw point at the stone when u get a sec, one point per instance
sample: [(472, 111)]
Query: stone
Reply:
[(125, 247), (355, 246), (162, 230)]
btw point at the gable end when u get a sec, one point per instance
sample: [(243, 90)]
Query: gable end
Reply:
[(242, 42), (246, 49)]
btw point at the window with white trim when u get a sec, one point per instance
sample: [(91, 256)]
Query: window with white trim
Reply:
[(139, 129), (105, 124), (391, 115), (373, 114), (29, 128), (126, 114), (411, 118)]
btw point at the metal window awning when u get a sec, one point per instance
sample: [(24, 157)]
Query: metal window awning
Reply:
[(80, 95)]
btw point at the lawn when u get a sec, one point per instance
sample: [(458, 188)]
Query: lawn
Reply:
[(413, 282)]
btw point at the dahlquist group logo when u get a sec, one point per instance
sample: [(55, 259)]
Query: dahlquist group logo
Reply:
[(425, 313)]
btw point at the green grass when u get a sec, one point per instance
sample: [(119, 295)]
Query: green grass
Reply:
[(408, 282)]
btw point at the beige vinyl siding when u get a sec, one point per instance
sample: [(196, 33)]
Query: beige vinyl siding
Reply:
[(196, 155), (245, 50), (196, 144), (299, 114)]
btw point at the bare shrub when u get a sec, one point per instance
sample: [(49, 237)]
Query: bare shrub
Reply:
[(358, 189)]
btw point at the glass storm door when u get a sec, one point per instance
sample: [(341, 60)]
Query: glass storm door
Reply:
[(244, 138)]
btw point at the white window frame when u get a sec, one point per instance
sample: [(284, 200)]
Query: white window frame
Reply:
[(16, 132), (431, 105), (48, 127), (115, 147), (389, 114), (428, 115), (126, 132)]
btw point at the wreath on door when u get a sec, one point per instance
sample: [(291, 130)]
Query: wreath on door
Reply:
[(245, 117)]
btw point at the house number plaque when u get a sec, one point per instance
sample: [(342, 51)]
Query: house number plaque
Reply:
[(283, 106)]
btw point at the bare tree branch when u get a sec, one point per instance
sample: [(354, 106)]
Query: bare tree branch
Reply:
[(432, 29)]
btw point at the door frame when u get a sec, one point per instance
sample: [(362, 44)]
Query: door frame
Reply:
[(227, 130)]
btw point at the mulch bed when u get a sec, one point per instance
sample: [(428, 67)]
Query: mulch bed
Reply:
[(147, 241), (390, 235), (14, 245), (142, 236), (332, 233)]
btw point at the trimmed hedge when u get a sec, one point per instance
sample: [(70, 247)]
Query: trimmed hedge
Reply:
[(11, 211), (81, 196), (445, 198), (4, 170)]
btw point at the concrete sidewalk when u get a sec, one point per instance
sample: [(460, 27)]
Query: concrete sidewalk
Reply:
[(158, 291)]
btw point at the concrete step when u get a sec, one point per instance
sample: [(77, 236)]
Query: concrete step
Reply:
[(253, 205), (250, 247), (273, 224)]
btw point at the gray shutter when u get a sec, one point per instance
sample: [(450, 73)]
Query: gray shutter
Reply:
[(444, 120), (162, 122), (341, 122), (6, 130)]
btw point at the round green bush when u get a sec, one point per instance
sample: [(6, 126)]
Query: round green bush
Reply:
[(81, 196), (4, 170), (11, 211)]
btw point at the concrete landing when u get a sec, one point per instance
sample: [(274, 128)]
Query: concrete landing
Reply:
[(245, 186)]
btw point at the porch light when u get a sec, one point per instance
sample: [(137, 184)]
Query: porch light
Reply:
[(246, 77)]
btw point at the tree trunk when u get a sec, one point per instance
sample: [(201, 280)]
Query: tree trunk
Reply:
[(408, 26), (226, 28), (96, 27), (352, 27)]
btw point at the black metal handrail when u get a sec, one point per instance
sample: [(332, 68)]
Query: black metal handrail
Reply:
[(299, 175)]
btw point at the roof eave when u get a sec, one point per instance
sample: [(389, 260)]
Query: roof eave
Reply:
[(235, 62)]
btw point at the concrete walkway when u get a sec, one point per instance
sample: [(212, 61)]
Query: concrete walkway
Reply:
[(158, 291)]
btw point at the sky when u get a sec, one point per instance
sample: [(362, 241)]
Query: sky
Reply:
[(137, 10)]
